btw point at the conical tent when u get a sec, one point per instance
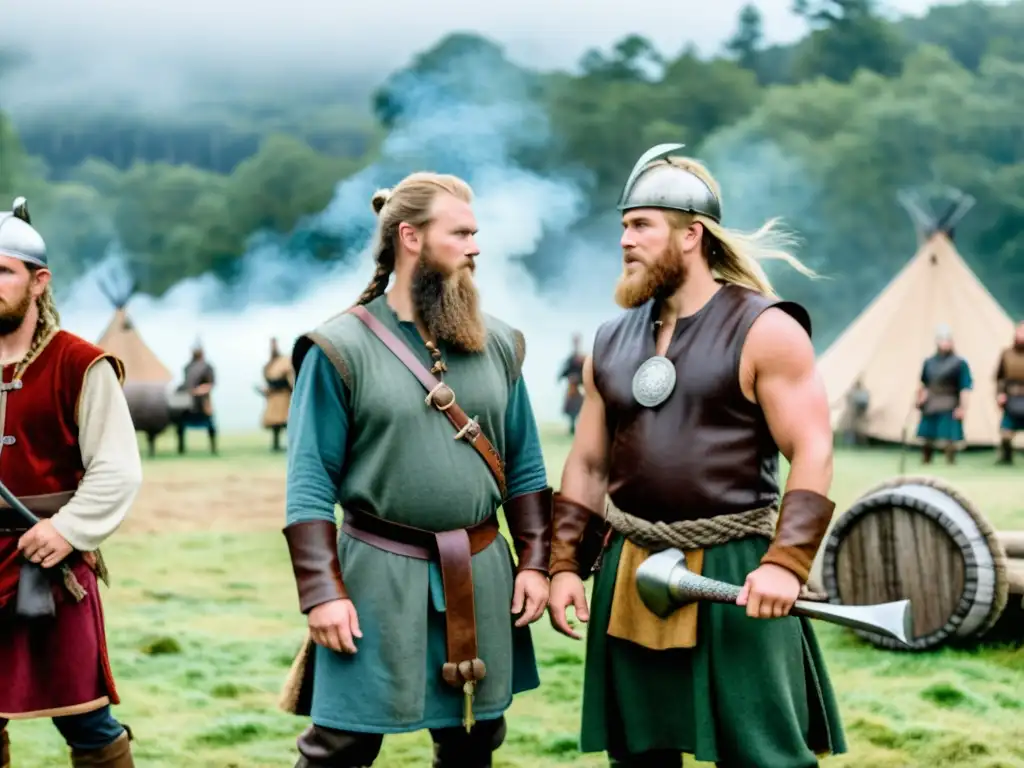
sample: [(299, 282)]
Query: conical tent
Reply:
[(122, 339), (885, 348)]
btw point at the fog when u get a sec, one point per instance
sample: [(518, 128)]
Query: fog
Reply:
[(160, 56)]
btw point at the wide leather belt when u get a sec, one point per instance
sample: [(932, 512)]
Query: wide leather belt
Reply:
[(452, 550), (42, 506)]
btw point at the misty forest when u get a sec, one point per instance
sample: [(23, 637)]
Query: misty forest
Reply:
[(824, 133)]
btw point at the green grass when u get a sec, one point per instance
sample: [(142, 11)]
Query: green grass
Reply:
[(203, 626)]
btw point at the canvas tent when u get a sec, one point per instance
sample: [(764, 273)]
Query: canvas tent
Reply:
[(886, 345), (122, 340)]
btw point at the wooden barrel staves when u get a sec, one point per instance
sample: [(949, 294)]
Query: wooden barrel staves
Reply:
[(918, 538)]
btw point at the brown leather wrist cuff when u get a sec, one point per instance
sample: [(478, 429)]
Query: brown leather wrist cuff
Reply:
[(803, 521), (313, 546), (569, 522), (529, 522)]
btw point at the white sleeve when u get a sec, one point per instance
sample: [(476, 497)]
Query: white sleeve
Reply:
[(110, 455)]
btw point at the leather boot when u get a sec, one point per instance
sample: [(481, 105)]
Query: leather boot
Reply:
[(443, 760), (117, 754), (926, 454), (1006, 452), (950, 454), (5, 749), (454, 748)]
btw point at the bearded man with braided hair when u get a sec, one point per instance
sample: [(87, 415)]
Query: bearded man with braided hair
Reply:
[(418, 617), (69, 453), (690, 395)]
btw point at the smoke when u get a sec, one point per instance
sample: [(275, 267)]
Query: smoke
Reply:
[(283, 291), (762, 179), (471, 117)]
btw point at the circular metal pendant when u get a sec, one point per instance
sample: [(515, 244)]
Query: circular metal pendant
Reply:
[(654, 381)]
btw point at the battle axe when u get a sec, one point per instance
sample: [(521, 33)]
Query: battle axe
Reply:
[(35, 583), (666, 584)]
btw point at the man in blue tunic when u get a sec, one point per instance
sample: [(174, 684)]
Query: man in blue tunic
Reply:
[(942, 398), (418, 617)]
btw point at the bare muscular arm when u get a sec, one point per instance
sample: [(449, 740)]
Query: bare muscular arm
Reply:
[(784, 380), (584, 485), (780, 374), (585, 474)]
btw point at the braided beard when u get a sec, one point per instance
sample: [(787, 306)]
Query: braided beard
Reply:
[(448, 305), (12, 316)]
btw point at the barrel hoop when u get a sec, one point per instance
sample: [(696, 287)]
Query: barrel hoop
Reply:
[(984, 593)]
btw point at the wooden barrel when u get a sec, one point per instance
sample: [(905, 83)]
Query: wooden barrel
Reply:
[(918, 538)]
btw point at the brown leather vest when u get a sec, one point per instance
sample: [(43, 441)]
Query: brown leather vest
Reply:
[(706, 450), (1011, 370)]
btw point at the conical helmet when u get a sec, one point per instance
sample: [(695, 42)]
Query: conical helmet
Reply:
[(18, 238), (667, 186)]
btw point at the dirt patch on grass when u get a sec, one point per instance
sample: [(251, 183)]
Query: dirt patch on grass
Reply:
[(240, 499)]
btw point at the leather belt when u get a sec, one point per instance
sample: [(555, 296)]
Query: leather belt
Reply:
[(42, 506), (452, 550)]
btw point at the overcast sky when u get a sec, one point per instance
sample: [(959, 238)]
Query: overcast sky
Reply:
[(127, 47)]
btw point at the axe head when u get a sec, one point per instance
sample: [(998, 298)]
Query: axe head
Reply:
[(653, 580)]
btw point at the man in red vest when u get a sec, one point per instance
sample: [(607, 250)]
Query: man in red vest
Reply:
[(69, 454)]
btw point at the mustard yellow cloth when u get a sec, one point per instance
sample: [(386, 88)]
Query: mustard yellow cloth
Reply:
[(630, 618)]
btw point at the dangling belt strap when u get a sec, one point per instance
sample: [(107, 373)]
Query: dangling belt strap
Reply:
[(452, 550)]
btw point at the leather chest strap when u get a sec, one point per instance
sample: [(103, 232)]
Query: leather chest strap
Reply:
[(439, 396), (453, 551)]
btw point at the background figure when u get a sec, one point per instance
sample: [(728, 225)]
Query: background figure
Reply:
[(572, 373), (280, 381), (199, 381), (1010, 397), (942, 398), (857, 402)]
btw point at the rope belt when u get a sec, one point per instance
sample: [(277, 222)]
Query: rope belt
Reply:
[(693, 534)]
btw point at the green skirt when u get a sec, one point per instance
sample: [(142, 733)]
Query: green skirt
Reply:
[(940, 426), (1012, 423), (752, 691)]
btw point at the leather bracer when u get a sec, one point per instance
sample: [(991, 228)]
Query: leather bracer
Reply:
[(803, 521), (529, 522), (313, 546), (570, 523)]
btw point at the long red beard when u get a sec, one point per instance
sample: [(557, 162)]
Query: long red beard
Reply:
[(449, 306), (660, 278)]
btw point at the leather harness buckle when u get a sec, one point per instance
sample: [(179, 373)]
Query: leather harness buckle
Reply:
[(471, 431), (441, 392)]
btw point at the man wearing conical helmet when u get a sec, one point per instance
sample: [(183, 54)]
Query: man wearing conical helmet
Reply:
[(69, 456), (942, 398), (691, 394)]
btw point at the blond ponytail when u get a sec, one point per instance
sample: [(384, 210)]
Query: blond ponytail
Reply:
[(734, 256)]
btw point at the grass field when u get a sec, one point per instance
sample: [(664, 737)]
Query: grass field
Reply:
[(203, 624)]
